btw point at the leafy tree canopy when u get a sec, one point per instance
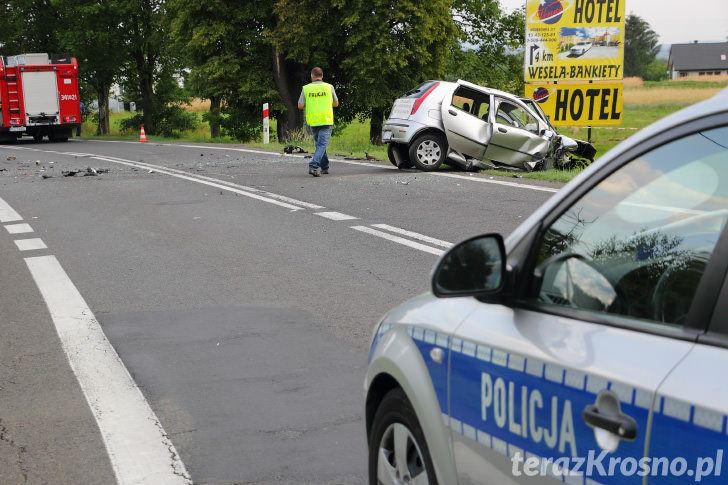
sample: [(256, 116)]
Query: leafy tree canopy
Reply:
[(641, 45)]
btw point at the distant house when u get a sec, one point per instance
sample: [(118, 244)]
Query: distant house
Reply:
[(698, 59)]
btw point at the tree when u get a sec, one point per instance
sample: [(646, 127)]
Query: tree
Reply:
[(391, 46), (489, 51), (29, 26), (146, 43), (371, 50), (304, 34), (201, 32), (640, 46), (230, 60), (98, 47)]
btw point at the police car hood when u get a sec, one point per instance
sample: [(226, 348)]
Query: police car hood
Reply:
[(439, 314)]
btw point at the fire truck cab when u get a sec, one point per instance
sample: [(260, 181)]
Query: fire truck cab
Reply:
[(39, 97)]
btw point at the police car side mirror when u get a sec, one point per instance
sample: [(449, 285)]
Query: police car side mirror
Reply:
[(474, 267)]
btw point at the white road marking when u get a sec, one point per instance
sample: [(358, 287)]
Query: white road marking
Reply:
[(238, 189), (336, 216), (414, 235), (138, 447), (30, 244), (499, 182), (7, 213), (19, 228), (399, 240), (291, 203)]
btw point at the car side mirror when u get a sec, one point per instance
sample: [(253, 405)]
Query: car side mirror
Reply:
[(474, 267)]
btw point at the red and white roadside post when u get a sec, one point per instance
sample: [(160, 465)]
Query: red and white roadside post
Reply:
[(266, 124)]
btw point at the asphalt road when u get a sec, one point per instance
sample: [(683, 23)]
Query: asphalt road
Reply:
[(238, 291)]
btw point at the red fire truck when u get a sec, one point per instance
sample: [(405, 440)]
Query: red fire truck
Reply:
[(39, 96)]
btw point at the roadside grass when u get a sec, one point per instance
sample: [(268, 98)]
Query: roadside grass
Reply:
[(643, 104)]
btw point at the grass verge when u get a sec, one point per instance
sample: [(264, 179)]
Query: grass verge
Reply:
[(643, 104)]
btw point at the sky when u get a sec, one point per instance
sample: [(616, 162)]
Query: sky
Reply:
[(706, 21)]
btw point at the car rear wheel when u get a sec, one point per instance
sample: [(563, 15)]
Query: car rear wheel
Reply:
[(428, 152), (397, 449), (398, 156)]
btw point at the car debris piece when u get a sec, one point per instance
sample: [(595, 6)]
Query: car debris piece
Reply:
[(293, 149)]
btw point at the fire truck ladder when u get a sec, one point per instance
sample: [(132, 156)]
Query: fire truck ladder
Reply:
[(14, 99)]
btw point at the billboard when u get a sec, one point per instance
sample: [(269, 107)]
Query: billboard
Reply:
[(579, 104), (574, 40)]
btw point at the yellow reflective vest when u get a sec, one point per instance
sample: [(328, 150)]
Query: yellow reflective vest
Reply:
[(319, 104)]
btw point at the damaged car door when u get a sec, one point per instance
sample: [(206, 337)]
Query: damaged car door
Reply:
[(465, 118), (516, 136)]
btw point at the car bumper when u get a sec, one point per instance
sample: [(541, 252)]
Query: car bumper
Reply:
[(400, 131)]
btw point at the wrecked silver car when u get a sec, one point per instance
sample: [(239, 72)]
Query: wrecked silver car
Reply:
[(472, 127)]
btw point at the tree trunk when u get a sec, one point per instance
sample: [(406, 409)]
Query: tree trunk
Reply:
[(103, 127), (375, 126), (215, 117), (290, 121), (147, 88)]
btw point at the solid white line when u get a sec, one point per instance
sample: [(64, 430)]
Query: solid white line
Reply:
[(335, 216), (362, 163), (19, 228), (399, 240), (138, 447), (7, 213), (414, 235), (233, 187), (201, 180), (30, 244), (499, 182)]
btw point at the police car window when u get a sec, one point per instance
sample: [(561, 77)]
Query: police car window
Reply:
[(638, 243)]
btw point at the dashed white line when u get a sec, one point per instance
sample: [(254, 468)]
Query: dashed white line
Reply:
[(30, 244), (414, 235), (336, 216), (399, 240), (18, 228)]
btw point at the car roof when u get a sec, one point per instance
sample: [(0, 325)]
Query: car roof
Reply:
[(486, 89)]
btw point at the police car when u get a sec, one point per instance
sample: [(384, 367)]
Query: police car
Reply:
[(590, 346)]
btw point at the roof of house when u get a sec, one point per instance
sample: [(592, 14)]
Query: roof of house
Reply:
[(696, 56)]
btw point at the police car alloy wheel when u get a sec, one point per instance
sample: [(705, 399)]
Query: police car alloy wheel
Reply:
[(428, 152), (398, 452)]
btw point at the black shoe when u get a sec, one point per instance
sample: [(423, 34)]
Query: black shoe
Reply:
[(315, 172), (325, 171)]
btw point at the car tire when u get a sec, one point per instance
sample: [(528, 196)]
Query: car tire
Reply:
[(400, 154), (395, 420), (428, 152)]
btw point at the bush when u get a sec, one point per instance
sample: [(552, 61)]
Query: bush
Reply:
[(169, 122)]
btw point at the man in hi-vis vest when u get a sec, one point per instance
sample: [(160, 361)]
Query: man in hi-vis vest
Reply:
[(319, 99)]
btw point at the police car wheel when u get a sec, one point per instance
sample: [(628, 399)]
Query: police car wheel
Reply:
[(428, 152), (397, 449)]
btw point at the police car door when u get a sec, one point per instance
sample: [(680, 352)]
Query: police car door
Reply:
[(562, 385), (465, 118), (689, 438)]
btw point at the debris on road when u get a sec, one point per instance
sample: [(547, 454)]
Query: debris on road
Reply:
[(293, 149)]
